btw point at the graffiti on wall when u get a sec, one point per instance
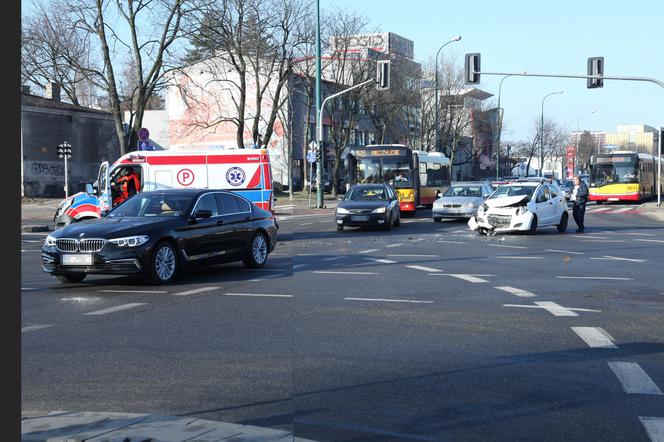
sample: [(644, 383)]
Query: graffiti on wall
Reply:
[(44, 169)]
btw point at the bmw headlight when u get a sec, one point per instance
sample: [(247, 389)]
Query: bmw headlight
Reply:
[(342, 211), (130, 241), (50, 241), (379, 210)]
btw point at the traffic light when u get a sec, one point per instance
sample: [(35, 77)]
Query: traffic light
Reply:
[(383, 75), (471, 66), (64, 149), (595, 67)]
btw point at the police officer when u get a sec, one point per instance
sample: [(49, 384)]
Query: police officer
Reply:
[(579, 198)]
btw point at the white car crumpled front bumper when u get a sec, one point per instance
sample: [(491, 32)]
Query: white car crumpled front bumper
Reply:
[(505, 219)]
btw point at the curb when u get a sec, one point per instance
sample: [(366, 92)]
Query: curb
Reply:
[(78, 426)]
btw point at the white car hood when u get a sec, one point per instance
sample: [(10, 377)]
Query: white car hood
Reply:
[(505, 201)]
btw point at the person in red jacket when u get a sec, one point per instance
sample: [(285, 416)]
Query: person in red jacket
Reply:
[(127, 185)]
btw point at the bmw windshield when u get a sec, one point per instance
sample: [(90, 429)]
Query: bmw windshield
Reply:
[(155, 204)]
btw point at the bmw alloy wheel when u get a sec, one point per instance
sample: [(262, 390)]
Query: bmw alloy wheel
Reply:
[(259, 249), (164, 263)]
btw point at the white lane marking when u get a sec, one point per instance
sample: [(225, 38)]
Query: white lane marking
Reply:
[(519, 257), (640, 234), (590, 237), (515, 291), (610, 278), (32, 240), (554, 308), (24, 250), (650, 240), (196, 291), (37, 233), (382, 261), (424, 268), (465, 277), (459, 231), (415, 256), (263, 278), (29, 328), (287, 206), (80, 299), (595, 337), (633, 378), (117, 308), (511, 247), (306, 254), (602, 241), (564, 251), (299, 266), (368, 251), (258, 295), (654, 427), (450, 242), (28, 289), (133, 291), (306, 224), (394, 245), (333, 258), (617, 258), (600, 209), (623, 209), (345, 273), (388, 300)]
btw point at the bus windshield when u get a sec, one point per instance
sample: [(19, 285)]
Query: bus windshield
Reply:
[(394, 171), (624, 172)]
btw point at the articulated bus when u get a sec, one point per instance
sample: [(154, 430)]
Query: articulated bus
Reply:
[(622, 176), (415, 175)]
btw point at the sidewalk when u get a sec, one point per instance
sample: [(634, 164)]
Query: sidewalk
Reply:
[(56, 426), (37, 214), (651, 210)]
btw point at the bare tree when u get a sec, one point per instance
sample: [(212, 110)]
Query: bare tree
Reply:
[(249, 46), (152, 26), (554, 138), (48, 42)]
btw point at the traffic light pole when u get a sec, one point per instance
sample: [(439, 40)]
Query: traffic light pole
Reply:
[(321, 153), (604, 77)]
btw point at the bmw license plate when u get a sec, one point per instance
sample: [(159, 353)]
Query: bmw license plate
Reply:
[(77, 260), (359, 218)]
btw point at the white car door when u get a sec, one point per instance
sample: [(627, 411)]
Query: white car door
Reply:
[(543, 206)]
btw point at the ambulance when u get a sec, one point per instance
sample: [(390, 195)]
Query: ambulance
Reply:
[(246, 171)]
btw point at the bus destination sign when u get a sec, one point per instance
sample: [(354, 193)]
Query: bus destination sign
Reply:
[(380, 152), (615, 159)]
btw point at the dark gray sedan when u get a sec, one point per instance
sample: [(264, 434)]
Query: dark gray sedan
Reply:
[(461, 200), (368, 205)]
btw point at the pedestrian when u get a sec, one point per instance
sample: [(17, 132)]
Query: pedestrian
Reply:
[(579, 199)]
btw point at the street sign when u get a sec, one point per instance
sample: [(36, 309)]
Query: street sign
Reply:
[(313, 146), (143, 134), (311, 156), (522, 167)]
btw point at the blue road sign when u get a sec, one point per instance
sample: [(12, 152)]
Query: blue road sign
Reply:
[(311, 156)]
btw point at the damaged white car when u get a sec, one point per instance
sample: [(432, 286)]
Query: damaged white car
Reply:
[(522, 206)]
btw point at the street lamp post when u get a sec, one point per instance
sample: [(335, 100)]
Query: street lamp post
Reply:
[(457, 38), (576, 150), (500, 124), (541, 165)]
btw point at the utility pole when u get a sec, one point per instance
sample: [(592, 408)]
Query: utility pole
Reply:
[(321, 150), (659, 168)]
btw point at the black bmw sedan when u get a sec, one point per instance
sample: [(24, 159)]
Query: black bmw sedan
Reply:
[(369, 205), (157, 233)]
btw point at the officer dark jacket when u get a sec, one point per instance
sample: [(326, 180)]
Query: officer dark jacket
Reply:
[(582, 193)]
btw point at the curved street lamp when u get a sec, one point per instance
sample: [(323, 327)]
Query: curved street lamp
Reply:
[(541, 165), (457, 38), (500, 123)]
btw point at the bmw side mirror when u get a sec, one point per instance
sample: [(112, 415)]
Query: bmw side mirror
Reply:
[(201, 213), (89, 189)]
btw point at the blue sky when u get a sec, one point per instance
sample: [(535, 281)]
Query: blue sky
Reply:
[(543, 37)]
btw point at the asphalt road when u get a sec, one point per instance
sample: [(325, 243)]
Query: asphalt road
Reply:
[(426, 332)]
